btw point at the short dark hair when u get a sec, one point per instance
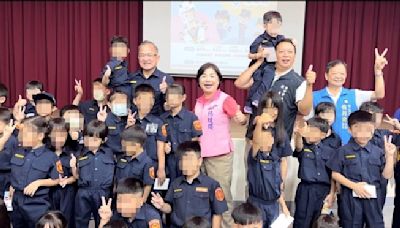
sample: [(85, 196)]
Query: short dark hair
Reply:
[(334, 63), (319, 123), (324, 107), (175, 88), (144, 88), (359, 117), (129, 185), (96, 128), (197, 222), (39, 123), (204, 67), (134, 134), (53, 219), (34, 85), (58, 123), (371, 107), (69, 107), (268, 16), (286, 40), (246, 214), (117, 92), (189, 146), (3, 90), (5, 115), (119, 39), (115, 224)]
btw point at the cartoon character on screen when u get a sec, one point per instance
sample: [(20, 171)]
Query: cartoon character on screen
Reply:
[(193, 29)]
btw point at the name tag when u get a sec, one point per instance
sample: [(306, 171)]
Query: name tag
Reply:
[(83, 158), (112, 127), (91, 109), (151, 128), (307, 150), (178, 190), (123, 160), (201, 189), (350, 156), (264, 161), (132, 82), (118, 67), (19, 156)]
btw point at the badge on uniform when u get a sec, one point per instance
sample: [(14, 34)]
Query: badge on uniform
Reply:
[(118, 67), (112, 127), (59, 167), (350, 156), (307, 150), (197, 125), (151, 173), (151, 128), (201, 189), (164, 130), (19, 156), (155, 223), (219, 194)]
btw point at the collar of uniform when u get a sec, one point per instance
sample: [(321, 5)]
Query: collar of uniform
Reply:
[(199, 178), (157, 73), (86, 151), (267, 36), (203, 100), (114, 118), (181, 113), (147, 118), (342, 92), (140, 157), (39, 151), (355, 146)]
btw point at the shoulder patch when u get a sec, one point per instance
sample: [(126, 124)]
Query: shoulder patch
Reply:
[(164, 130), (155, 223), (59, 167), (197, 125), (219, 194), (152, 173)]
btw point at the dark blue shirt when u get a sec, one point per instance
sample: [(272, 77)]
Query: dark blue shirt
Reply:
[(359, 164), (264, 174), (154, 80), (115, 125), (312, 163), (96, 170), (119, 72), (333, 141), (28, 166), (264, 40), (140, 167), (146, 216), (6, 154), (182, 127), (89, 110), (30, 110), (152, 125), (203, 197)]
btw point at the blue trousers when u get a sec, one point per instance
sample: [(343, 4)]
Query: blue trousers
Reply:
[(63, 199), (28, 210), (87, 202), (270, 209)]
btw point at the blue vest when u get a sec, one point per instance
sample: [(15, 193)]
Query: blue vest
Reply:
[(346, 104)]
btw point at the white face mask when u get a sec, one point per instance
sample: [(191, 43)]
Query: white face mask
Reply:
[(74, 123), (119, 109), (98, 95)]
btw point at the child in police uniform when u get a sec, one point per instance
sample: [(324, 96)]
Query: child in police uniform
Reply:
[(193, 194), (358, 167)]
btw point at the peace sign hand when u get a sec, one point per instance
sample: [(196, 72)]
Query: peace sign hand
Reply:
[(380, 61), (102, 114), (105, 212), (390, 148), (131, 119), (392, 121), (78, 87)]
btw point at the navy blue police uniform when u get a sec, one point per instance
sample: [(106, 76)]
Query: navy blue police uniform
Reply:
[(315, 183), (89, 110), (120, 77), (30, 110), (154, 80), (115, 125), (360, 164), (264, 177), (203, 197), (5, 166), (140, 167), (179, 128), (96, 172), (28, 166), (146, 216)]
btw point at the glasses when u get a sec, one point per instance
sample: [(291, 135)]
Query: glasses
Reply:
[(142, 55)]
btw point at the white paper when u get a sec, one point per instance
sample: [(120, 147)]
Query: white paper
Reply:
[(8, 201), (371, 189), (282, 221), (271, 54), (162, 187)]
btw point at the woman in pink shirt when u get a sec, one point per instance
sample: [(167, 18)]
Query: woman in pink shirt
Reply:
[(214, 110)]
